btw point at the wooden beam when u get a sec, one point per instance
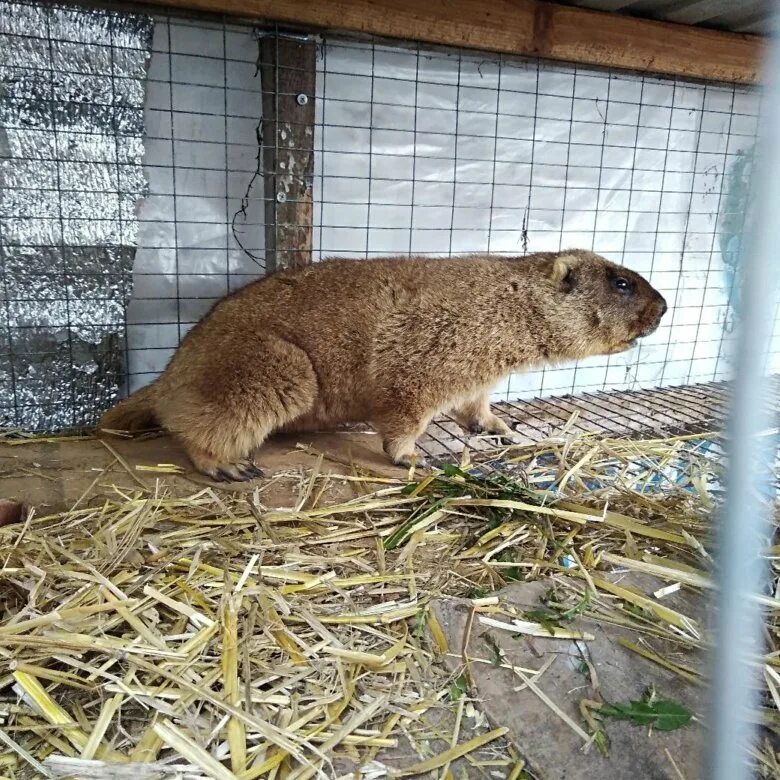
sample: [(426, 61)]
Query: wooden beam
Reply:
[(287, 73), (526, 27)]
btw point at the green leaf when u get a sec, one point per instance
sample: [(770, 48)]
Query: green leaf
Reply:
[(578, 609), (670, 716), (451, 470), (548, 620), (601, 741), (420, 623), (541, 615), (636, 610), (494, 648), (458, 688), (400, 535), (661, 714)]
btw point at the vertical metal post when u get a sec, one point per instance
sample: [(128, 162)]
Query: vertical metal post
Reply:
[(743, 523)]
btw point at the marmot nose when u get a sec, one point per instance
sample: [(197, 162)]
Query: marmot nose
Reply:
[(664, 307)]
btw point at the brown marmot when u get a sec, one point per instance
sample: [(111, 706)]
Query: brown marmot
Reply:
[(390, 342)]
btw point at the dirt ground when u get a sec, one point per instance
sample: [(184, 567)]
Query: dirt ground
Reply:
[(52, 475)]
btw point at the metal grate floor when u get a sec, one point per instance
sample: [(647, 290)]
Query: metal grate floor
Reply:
[(638, 414)]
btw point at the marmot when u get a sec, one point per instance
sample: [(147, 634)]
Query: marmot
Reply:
[(390, 342)]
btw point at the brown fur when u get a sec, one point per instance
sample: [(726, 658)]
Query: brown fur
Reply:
[(391, 342)]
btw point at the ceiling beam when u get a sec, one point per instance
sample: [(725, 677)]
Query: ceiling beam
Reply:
[(524, 27)]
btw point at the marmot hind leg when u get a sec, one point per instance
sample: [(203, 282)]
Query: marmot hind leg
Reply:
[(223, 422), (476, 416), (228, 468), (400, 430)]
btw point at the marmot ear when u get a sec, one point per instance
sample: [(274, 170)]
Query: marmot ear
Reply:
[(562, 274)]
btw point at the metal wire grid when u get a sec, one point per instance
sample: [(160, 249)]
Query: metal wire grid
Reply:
[(177, 277), (693, 348), (202, 228), (667, 230), (639, 414)]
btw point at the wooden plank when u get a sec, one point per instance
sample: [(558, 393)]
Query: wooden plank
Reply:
[(527, 27), (287, 72)]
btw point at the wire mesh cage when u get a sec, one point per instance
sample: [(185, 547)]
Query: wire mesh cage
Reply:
[(232, 151), (151, 164)]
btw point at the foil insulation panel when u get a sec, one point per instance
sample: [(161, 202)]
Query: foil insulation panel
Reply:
[(72, 90)]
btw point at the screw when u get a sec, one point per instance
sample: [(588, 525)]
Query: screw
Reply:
[(281, 197), (302, 99)]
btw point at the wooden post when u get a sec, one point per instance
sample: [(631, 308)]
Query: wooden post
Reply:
[(288, 82)]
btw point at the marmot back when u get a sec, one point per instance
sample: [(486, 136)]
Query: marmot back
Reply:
[(391, 342)]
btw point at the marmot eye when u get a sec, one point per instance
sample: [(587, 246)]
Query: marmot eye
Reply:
[(621, 284)]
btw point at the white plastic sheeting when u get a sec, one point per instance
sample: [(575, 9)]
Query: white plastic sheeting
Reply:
[(202, 110)]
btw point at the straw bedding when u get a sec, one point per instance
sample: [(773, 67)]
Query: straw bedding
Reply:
[(214, 636)]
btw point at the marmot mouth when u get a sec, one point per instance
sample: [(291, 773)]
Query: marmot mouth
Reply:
[(649, 330)]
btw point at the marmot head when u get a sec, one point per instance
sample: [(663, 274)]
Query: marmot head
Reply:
[(606, 307)]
